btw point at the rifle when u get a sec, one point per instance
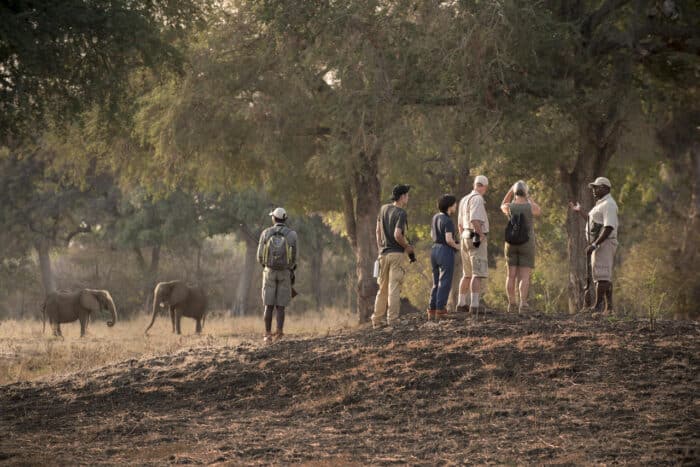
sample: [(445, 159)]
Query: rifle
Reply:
[(587, 301)]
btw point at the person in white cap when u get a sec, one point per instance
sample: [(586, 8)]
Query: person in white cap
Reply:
[(277, 252), (601, 233), (473, 226)]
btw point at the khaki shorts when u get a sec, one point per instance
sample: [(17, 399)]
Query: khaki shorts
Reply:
[(475, 261), (602, 260), (276, 287), (521, 255)]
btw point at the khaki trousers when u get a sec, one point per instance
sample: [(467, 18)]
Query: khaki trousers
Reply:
[(392, 269)]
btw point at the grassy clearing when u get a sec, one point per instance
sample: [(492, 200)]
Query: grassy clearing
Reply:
[(27, 354)]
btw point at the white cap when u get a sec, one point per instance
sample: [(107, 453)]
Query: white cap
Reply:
[(600, 181), (279, 213), (481, 180)]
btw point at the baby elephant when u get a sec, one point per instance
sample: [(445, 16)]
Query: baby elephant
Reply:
[(66, 307), (182, 300)]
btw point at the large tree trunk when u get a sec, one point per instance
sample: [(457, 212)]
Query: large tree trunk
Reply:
[(360, 219), (240, 302), (47, 279), (691, 240), (316, 262), (597, 143)]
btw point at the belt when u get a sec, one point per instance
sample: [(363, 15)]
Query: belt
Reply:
[(485, 234)]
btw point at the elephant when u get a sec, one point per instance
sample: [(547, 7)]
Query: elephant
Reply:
[(182, 300), (66, 307)]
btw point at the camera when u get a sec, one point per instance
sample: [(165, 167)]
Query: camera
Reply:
[(476, 239), (412, 257)]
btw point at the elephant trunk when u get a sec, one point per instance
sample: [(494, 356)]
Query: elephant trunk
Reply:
[(155, 310), (113, 310)]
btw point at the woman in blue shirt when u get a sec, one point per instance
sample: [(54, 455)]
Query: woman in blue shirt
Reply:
[(442, 258)]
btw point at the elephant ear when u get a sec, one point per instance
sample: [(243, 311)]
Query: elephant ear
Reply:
[(89, 301), (179, 293)]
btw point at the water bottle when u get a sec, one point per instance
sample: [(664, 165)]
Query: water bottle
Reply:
[(375, 271)]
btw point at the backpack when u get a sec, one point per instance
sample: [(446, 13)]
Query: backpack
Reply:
[(516, 230), (277, 254)]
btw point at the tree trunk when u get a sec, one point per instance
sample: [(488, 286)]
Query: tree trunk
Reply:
[(47, 279), (150, 272), (316, 262), (240, 302), (360, 219), (691, 240)]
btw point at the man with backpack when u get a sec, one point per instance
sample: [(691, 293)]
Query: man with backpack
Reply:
[(277, 252)]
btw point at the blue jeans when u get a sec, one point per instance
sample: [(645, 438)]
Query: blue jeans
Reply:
[(442, 257)]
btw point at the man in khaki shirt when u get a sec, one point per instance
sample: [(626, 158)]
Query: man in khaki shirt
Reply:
[(473, 221), (601, 233)]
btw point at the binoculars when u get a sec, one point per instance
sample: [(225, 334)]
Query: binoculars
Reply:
[(476, 238)]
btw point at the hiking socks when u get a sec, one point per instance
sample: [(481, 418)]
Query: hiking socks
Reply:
[(462, 301), (474, 300), (268, 318), (280, 319)]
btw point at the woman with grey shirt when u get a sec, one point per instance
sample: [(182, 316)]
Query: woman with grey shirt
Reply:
[(521, 258)]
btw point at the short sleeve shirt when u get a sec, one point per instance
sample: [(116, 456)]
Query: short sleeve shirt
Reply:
[(473, 208), (440, 225), (392, 217), (605, 213)]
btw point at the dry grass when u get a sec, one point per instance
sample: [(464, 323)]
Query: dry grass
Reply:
[(27, 354)]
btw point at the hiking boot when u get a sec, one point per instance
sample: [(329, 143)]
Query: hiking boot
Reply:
[(378, 325), (431, 314), (278, 335), (268, 337), (512, 308), (442, 313), (524, 308), (462, 309)]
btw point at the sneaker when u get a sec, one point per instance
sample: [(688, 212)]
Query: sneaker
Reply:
[(462, 309), (278, 335), (524, 308), (268, 337)]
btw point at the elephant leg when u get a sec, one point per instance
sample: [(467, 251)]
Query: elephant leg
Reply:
[(172, 318), (199, 325), (178, 318), (83, 327), (58, 330)]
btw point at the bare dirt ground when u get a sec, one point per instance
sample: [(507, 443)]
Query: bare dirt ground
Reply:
[(504, 390)]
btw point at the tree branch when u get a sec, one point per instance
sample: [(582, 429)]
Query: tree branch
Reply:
[(82, 228)]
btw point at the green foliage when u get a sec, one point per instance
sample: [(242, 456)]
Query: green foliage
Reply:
[(62, 57)]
